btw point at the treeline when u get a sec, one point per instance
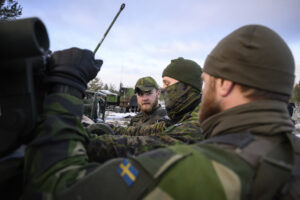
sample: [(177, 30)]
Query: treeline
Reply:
[(10, 9), (96, 85)]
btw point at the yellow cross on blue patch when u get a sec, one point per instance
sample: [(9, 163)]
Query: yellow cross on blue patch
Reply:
[(128, 172)]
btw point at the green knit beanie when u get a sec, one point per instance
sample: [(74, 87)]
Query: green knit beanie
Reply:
[(186, 71), (255, 56)]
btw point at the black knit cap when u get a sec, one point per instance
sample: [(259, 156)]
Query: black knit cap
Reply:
[(255, 56), (186, 71)]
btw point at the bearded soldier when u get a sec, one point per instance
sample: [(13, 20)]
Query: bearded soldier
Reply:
[(148, 93)]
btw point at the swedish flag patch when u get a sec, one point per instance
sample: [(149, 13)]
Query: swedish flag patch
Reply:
[(128, 172)]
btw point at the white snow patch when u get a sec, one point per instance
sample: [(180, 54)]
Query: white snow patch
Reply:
[(118, 119), (107, 92)]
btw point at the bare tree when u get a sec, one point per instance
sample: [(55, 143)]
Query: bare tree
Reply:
[(95, 85), (10, 9)]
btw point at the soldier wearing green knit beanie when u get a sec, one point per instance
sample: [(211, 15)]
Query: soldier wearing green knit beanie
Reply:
[(182, 87), (251, 64)]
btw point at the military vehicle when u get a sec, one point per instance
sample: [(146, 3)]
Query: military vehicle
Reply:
[(125, 101), (112, 99)]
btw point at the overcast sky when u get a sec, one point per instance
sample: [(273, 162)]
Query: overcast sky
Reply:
[(149, 33)]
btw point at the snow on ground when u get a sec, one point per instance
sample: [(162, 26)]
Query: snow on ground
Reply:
[(118, 119), (297, 126)]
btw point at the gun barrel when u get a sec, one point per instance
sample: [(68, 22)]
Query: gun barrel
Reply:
[(112, 23), (23, 38)]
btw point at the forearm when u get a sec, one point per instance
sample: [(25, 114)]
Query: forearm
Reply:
[(57, 156), (104, 147), (154, 129)]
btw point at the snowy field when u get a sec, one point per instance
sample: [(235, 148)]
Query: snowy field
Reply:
[(118, 119), (297, 126)]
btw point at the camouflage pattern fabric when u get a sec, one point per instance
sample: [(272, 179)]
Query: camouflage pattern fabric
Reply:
[(153, 129), (180, 98), (143, 118), (106, 147), (57, 166), (145, 124), (187, 129)]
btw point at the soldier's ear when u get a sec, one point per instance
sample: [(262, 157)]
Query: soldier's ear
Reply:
[(224, 86), (158, 93)]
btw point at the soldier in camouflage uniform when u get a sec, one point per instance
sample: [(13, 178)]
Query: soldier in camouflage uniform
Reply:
[(182, 86), (148, 93), (248, 154)]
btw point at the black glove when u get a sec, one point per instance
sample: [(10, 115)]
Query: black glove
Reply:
[(72, 67)]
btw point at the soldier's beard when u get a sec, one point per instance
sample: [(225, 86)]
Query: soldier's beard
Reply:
[(150, 106), (209, 105)]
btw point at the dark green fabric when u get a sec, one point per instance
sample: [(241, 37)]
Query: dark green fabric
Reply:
[(197, 179), (279, 162), (232, 161), (261, 117), (186, 71), (269, 155), (152, 161), (255, 56), (145, 84), (180, 98), (268, 120)]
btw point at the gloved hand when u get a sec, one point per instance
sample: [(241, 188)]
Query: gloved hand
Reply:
[(72, 67), (100, 129)]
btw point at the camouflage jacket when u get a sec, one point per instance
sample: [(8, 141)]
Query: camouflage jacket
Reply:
[(143, 118), (57, 166)]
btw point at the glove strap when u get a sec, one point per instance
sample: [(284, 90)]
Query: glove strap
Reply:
[(66, 89)]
